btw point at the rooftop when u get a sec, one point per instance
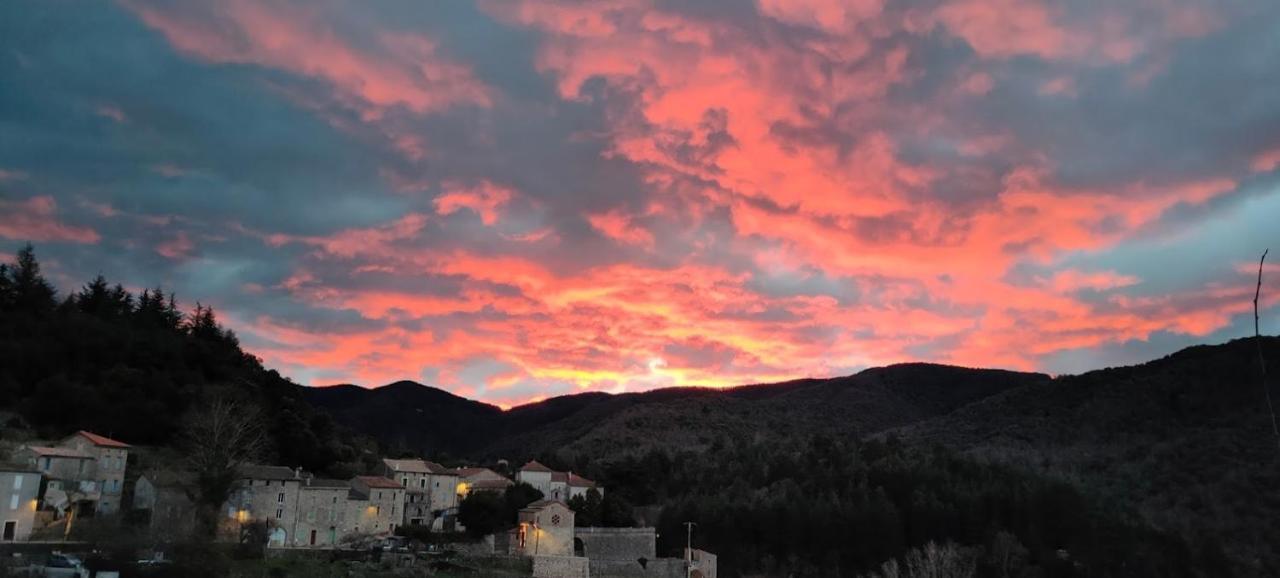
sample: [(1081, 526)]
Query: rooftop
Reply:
[(257, 472), (411, 465), (326, 484), (378, 482), (102, 441), (54, 452), (534, 466)]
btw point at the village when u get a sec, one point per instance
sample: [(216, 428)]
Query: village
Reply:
[(50, 486)]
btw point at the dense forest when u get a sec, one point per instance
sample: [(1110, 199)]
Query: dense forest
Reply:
[(134, 366), (824, 506)]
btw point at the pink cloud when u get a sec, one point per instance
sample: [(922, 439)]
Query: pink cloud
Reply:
[(484, 199), (395, 69), (36, 219), (621, 228)]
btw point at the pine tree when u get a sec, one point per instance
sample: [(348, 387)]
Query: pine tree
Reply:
[(31, 292)]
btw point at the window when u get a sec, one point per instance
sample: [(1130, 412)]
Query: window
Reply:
[(422, 483), (268, 483), (17, 482), (280, 498), (47, 463), (335, 499), (311, 516), (379, 495), (13, 502), (404, 482), (279, 513)]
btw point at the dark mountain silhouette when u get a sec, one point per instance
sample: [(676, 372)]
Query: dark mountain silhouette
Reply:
[(419, 418), (1185, 441)]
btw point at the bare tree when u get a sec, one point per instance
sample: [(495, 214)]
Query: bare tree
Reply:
[(931, 561), (220, 438), (1262, 360)]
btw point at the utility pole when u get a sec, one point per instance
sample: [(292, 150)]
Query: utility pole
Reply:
[(688, 549)]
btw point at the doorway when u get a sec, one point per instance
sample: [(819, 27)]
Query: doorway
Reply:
[(313, 537), (10, 531)]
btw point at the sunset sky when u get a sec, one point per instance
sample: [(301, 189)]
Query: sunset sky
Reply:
[(519, 199)]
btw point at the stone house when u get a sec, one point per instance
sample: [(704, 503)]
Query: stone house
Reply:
[(170, 509), (19, 500), (267, 494), (110, 460), (555, 485), (480, 480), (375, 505), (322, 513), (70, 477)]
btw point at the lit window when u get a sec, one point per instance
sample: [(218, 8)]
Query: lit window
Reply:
[(17, 482), (13, 502)]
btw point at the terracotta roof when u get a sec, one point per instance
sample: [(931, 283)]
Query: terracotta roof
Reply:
[(468, 472), (59, 452), (411, 466), (577, 481), (102, 441), (379, 482), (256, 472), (534, 466)]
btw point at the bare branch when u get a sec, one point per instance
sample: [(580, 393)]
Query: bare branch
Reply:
[(1262, 360)]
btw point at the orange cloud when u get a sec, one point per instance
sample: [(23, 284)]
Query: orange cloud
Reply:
[(484, 199)]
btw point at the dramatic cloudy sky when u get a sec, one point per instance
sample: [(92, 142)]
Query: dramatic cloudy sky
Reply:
[(518, 199)]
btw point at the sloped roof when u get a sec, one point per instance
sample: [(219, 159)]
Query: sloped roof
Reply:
[(534, 466), (541, 504), (379, 482), (577, 481), (169, 478), (54, 452), (102, 441), (440, 470), (257, 472), (411, 466), (327, 484), (490, 484)]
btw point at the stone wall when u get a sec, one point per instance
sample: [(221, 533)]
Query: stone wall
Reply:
[(659, 568), (560, 567), (628, 544)]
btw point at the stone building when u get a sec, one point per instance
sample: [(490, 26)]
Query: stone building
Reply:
[(545, 528), (431, 490), (555, 485), (85, 472), (375, 505), (170, 511), (110, 460), (322, 512), (480, 480), (267, 494), (19, 492)]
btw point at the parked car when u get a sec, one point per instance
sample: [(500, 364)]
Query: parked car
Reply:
[(63, 566)]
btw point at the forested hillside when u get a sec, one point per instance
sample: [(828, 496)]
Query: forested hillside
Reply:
[(101, 358)]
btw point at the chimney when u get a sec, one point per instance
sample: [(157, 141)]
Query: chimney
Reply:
[(297, 473)]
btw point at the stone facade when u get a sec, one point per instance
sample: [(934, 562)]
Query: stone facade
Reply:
[(85, 470), (656, 568), (322, 513), (375, 505), (19, 493), (560, 567), (268, 494), (628, 544), (170, 511), (545, 529), (110, 460), (431, 490)]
